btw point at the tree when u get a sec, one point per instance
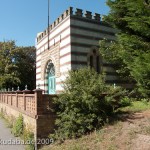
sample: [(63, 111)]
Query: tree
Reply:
[(25, 61), (8, 73), (17, 66), (131, 50)]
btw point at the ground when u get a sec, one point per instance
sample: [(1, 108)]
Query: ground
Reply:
[(130, 131), (7, 139)]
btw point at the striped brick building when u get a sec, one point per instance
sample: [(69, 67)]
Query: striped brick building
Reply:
[(73, 43)]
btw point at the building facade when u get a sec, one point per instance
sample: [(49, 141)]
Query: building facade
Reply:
[(73, 43)]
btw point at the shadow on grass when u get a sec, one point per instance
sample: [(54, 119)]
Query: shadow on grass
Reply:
[(131, 112)]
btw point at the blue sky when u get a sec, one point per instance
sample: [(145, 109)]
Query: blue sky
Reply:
[(21, 20)]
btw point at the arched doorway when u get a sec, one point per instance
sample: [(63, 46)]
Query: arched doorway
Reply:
[(51, 79)]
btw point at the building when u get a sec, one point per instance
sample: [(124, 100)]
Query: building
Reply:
[(73, 43)]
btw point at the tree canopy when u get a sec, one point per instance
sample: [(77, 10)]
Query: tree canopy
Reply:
[(131, 50), (17, 66)]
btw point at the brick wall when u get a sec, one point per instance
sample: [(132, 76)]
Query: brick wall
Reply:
[(35, 108)]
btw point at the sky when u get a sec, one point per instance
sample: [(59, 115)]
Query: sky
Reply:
[(21, 20)]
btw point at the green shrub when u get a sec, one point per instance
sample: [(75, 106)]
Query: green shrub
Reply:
[(137, 106), (9, 121), (17, 129), (1, 115), (29, 138), (126, 101), (145, 100), (85, 103), (114, 99)]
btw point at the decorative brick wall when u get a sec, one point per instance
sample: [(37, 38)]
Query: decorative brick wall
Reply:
[(35, 108)]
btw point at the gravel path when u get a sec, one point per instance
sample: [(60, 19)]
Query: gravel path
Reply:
[(7, 139)]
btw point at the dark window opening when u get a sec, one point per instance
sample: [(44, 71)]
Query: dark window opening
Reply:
[(91, 61), (98, 64), (94, 60), (94, 51)]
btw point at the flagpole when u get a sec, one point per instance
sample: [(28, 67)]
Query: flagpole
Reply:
[(48, 25)]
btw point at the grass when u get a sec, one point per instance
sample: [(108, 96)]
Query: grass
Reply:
[(1, 115), (137, 106), (8, 120), (110, 137), (27, 135)]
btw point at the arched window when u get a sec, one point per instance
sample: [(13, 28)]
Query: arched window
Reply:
[(98, 65), (50, 78), (91, 61), (94, 60)]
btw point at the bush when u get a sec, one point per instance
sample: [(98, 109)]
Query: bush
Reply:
[(116, 98), (17, 129), (1, 114), (29, 138), (85, 103), (126, 101)]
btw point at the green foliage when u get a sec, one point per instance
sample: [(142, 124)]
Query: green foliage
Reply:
[(28, 138), (8, 73), (1, 113), (19, 130), (9, 120), (141, 72), (17, 66), (18, 126), (137, 106), (125, 101), (116, 98), (131, 50), (26, 63), (85, 103)]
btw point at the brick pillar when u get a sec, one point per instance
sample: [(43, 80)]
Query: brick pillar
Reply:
[(38, 100), (38, 111)]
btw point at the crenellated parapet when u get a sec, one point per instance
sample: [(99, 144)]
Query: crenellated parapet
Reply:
[(69, 12)]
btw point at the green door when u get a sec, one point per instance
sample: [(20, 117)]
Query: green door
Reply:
[(51, 81)]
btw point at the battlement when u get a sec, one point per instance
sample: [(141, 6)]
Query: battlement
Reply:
[(69, 12)]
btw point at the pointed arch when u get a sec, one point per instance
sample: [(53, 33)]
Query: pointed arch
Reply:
[(94, 59), (50, 77)]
